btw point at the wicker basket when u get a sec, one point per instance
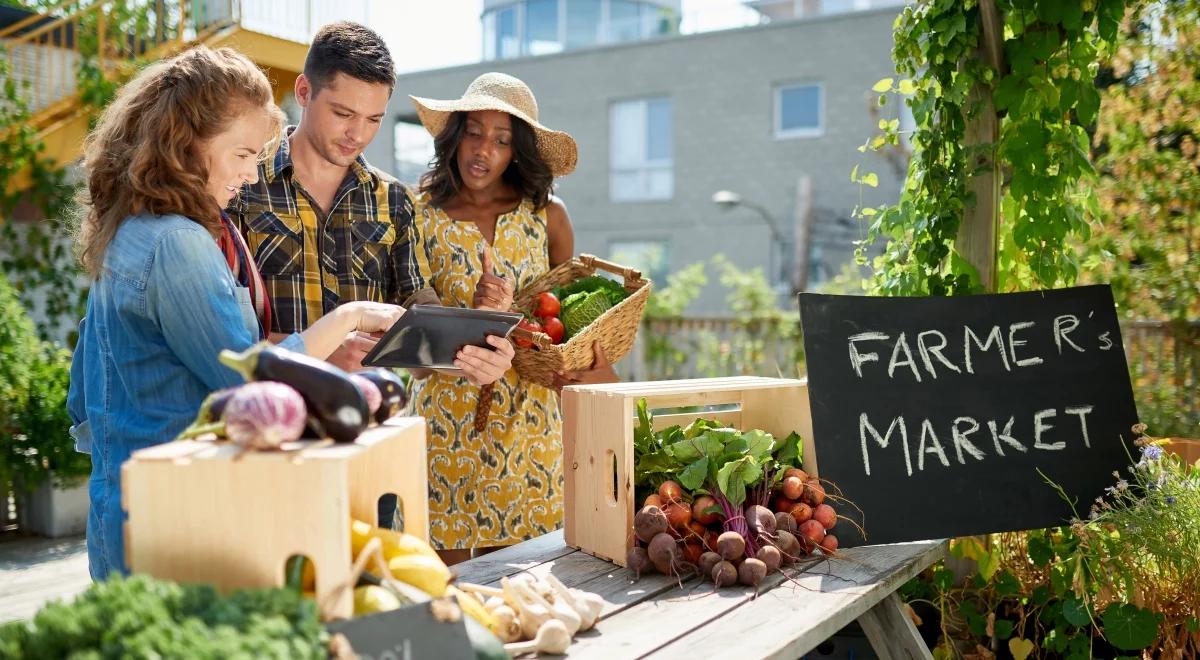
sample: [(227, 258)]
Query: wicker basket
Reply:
[(615, 329)]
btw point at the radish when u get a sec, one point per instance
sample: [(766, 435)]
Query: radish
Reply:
[(789, 546), (801, 513), (785, 522), (653, 499), (696, 531), (638, 561), (812, 532), (783, 503), (829, 544), (751, 573), (770, 555), (814, 493), (731, 545), (692, 551), (760, 520), (700, 510), (825, 515), (679, 515), (264, 415), (663, 553), (710, 540), (724, 574), (793, 488), (707, 562), (795, 472), (649, 522), (670, 491)]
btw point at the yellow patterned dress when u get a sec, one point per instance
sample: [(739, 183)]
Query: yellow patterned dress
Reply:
[(504, 485)]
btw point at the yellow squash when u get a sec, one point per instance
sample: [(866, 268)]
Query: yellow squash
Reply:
[(371, 599), (394, 543)]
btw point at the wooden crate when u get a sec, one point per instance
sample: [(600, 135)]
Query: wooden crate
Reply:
[(205, 512), (598, 423), (1186, 448)]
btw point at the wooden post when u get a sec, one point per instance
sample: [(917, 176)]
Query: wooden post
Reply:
[(803, 219), (976, 240)]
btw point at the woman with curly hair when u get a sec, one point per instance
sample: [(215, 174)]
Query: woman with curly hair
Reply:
[(172, 282), (486, 212)]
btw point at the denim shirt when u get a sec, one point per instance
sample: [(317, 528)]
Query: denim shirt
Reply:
[(163, 308)]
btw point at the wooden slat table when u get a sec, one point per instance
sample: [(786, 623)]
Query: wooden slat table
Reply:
[(654, 617)]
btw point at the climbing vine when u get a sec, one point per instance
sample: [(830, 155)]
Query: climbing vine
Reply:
[(36, 256), (1046, 99)]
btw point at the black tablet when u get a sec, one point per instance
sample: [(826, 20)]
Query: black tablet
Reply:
[(429, 336)]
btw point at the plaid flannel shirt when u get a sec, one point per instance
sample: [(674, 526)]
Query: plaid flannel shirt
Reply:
[(366, 248)]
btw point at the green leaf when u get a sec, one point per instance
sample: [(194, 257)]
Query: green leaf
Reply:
[(907, 86), (1088, 104), (1007, 584), (882, 86), (1075, 612), (1040, 552), (854, 174), (871, 179), (790, 453), (734, 476), (693, 476), (709, 444), (1193, 624), (643, 434), (1129, 627), (759, 444), (1004, 628)]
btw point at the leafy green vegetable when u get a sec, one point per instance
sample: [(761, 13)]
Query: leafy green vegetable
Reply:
[(140, 617), (735, 476), (613, 290)]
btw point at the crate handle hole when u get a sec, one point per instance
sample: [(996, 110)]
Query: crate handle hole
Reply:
[(390, 512), (611, 460), (299, 571)]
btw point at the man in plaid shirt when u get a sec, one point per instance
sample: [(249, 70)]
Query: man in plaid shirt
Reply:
[(325, 227)]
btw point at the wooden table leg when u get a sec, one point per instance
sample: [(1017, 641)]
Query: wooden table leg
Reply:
[(891, 632)]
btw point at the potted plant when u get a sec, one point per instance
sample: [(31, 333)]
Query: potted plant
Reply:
[(38, 460)]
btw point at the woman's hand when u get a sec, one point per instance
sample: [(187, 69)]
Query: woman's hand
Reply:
[(601, 372), (492, 291), (374, 317), (482, 366)]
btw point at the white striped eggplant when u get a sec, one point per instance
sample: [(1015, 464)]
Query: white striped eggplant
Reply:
[(391, 387)]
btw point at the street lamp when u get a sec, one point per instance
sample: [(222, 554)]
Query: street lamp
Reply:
[(727, 199)]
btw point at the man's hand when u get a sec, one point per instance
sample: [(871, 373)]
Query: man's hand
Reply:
[(492, 291), (601, 372), (355, 346), (482, 366)]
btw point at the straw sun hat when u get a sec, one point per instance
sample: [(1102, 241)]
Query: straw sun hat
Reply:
[(500, 91)]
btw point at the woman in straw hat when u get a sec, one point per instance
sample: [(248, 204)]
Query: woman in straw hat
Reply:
[(485, 211)]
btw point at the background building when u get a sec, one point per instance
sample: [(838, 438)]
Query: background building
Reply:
[(767, 117)]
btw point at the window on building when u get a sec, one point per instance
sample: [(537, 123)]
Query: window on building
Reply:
[(583, 22), (413, 149), (799, 110), (508, 43), (652, 257), (624, 20), (641, 152), (541, 27)]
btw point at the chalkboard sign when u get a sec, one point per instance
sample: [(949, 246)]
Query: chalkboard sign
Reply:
[(935, 415), (409, 633)]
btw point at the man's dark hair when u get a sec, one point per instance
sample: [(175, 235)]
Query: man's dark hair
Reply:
[(350, 48)]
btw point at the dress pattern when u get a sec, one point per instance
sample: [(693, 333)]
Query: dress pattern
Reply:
[(503, 485)]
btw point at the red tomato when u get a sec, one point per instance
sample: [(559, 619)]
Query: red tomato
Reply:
[(547, 305), (532, 326), (553, 327)]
